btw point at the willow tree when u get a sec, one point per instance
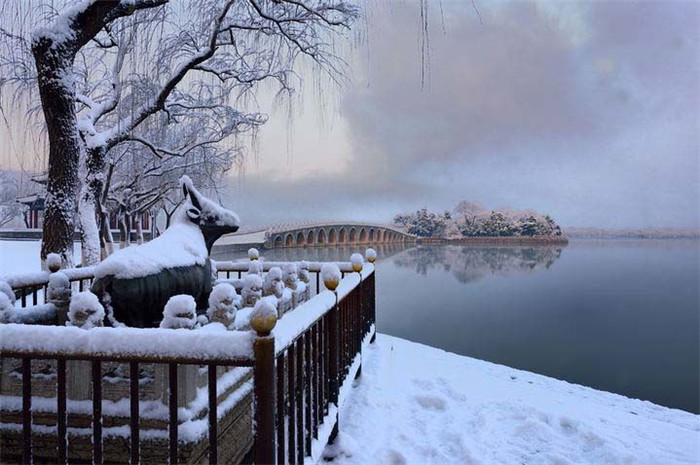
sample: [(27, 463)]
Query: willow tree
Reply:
[(105, 68)]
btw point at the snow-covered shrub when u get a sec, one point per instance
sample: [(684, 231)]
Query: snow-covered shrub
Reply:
[(255, 267), (180, 312), (223, 304), (253, 253), (7, 290), (273, 284), (357, 261), (85, 311), (370, 255), (252, 289), (290, 276), (53, 262), (330, 275), (263, 317), (304, 272), (6, 308)]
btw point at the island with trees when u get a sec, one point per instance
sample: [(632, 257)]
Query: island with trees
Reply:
[(470, 222)]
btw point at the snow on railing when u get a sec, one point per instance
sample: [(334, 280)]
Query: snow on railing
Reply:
[(123, 344), (298, 364)]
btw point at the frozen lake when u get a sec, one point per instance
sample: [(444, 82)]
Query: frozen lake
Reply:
[(621, 316)]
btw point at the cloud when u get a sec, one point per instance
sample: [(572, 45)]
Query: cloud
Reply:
[(587, 111)]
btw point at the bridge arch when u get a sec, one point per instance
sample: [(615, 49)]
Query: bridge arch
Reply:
[(371, 235), (300, 239), (310, 238), (289, 241), (321, 236), (332, 236), (352, 237), (363, 236), (278, 241), (342, 236)]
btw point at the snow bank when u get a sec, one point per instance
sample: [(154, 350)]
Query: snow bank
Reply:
[(153, 343), (182, 244), (415, 404)]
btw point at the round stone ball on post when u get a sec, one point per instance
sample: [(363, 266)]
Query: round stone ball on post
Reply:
[(330, 274), (263, 318), (357, 262), (253, 254), (371, 255)]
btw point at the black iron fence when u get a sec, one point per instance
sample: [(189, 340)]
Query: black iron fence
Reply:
[(296, 386)]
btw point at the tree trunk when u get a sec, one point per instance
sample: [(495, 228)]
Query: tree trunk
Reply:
[(122, 230), (89, 234), (90, 205), (139, 228), (127, 221), (54, 64)]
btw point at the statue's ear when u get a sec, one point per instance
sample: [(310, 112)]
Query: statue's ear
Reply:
[(193, 213)]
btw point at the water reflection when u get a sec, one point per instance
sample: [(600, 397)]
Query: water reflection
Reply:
[(470, 264), (622, 316)]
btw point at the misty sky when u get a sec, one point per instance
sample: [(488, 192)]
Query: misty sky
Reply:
[(587, 111)]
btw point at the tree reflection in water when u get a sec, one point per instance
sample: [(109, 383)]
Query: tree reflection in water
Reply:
[(472, 263)]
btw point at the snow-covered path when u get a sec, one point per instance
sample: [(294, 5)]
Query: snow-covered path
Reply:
[(418, 405)]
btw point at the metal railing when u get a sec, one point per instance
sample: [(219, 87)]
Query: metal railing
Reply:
[(295, 384)]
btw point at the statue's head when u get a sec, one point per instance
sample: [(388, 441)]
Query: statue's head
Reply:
[(214, 220)]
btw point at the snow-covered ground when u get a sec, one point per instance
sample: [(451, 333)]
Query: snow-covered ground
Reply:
[(415, 404), (18, 257)]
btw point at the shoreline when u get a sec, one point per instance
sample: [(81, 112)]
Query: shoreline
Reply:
[(496, 240)]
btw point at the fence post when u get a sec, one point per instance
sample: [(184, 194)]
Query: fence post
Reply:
[(333, 365), (262, 323), (58, 292)]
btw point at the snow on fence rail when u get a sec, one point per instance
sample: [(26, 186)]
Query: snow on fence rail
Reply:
[(30, 288), (298, 367)]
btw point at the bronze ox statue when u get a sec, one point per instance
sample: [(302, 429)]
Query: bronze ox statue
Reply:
[(135, 283)]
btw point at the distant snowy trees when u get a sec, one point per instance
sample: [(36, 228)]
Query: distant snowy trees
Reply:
[(423, 223), (469, 219), (162, 78), (10, 189)]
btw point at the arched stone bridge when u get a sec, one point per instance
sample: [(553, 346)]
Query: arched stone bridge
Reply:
[(320, 234)]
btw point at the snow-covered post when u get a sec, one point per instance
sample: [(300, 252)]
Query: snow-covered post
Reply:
[(330, 273), (58, 291), (253, 254), (371, 256), (357, 316), (263, 319)]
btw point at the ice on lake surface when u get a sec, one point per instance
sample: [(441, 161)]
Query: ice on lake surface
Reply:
[(621, 316)]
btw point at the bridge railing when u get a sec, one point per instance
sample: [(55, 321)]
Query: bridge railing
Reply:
[(298, 371)]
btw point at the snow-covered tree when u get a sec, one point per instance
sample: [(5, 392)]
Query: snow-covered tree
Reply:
[(423, 223), (10, 189), (104, 69)]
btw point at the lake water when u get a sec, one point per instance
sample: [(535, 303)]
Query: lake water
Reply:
[(621, 316)]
